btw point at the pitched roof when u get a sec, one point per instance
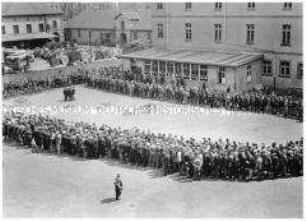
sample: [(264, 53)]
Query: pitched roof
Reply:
[(93, 19), (29, 8), (129, 15), (143, 17)]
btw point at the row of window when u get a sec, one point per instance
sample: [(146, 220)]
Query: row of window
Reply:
[(199, 72), (29, 27), (218, 29), (186, 70), (284, 69), (218, 6)]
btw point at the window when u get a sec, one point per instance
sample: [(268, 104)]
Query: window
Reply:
[(169, 68), (186, 70), (300, 71), (203, 72), (194, 72), (134, 35), (286, 40), (155, 67), (162, 67), (79, 33), (122, 25), (160, 30), (221, 75), (178, 70), (147, 67), (284, 68), (251, 5), (3, 29), (250, 33), (188, 6), (54, 24), (159, 5), (41, 27), (288, 6), (267, 67), (188, 31), (218, 32), (29, 28), (16, 29), (218, 6), (249, 73)]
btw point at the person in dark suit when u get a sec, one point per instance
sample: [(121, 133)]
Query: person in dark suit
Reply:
[(118, 187)]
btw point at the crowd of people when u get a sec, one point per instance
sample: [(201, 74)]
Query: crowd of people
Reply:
[(195, 159), (119, 79)]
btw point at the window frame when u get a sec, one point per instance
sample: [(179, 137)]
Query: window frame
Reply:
[(267, 68), (186, 71), (155, 67), (221, 70), (27, 27), (122, 25), (162, 67), (170, 69), (188, 31), (286, 35), (218, 6), (54, 24), (39, 27), (286, 6), (203, 72), (147, 63), (250, 38), (251, 6), (134, 35), (188, 6), (281, 68), (249, 71), (195, 72), (218, 32), (299, 71), (160, 30), (178, 65), (16, 29)]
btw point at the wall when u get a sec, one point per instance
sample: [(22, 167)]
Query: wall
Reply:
[(22, 21), (268, 19)]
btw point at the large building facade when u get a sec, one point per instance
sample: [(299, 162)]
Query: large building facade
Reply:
[(235, 45), (30, 24)]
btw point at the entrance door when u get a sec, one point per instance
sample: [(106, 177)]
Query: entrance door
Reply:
[(123, 38)]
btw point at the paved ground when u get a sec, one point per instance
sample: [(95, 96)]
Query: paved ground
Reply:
[(42, 185)]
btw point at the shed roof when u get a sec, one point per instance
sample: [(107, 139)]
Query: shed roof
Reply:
[(197, 57), (27, 36), (29, 8)]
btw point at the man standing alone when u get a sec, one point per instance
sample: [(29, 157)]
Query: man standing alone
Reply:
[(118, 186)]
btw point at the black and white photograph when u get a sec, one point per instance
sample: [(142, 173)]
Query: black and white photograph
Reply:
[(160, 109)]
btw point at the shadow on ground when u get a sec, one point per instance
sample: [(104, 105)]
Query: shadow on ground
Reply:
[(108, 200)]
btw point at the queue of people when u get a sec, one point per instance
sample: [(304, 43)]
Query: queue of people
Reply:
[(119, 79), (195, 159), (146, 87)]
